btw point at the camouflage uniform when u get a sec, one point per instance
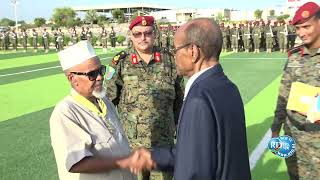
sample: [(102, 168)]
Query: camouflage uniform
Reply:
[(35, 40), (302, 66), (256, 33), (45, 37), (170, 39), (291, 36), (247, 38), (234, 38), (14, 40), (164, 39), (282, 37), (89, 36), (269, 38), (104, 39), (112, 37), (60, 39), (224, 39), (74, 36), (24, 40), (148, 97)]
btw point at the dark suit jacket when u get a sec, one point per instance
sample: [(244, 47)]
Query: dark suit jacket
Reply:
[(211, 141)]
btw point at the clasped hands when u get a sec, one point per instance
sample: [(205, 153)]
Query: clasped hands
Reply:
[(139, 160)]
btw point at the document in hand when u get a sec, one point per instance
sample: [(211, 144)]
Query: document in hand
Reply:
[(302, 97)]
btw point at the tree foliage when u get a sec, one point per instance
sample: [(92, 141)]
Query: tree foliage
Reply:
[(258, 13), (91, 17), (7, 22), (64, 16), (118, 14), (39, 21)]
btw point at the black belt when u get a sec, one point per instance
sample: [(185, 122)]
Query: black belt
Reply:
[(302, 126)]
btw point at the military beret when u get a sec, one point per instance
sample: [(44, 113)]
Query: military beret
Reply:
[(305, 12), (142, 20)]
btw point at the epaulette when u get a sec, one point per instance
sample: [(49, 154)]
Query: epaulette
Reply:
[(119, 56), (297, 49)]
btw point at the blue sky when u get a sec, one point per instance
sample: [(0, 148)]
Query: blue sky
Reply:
[(29, 9)]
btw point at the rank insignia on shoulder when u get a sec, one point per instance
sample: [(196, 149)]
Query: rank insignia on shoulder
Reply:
[(119, 56), (298, 49)]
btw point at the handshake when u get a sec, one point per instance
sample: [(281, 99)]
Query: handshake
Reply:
[(137, 161)]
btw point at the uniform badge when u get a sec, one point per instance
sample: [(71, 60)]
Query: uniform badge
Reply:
[(134, 59), (305, 14), (115, 59), (143, 22), (109, 72), (157, 56)]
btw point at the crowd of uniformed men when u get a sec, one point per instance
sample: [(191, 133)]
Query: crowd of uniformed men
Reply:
[(253, 36), (11, 39)]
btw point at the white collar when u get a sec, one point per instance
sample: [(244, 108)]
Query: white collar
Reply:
[(192, 79)]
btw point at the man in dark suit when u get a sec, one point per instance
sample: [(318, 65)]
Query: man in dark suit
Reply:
[(211, 137)]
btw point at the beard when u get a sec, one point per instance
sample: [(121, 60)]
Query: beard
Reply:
[(101, 93)]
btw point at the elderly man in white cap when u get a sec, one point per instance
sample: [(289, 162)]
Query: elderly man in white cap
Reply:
[(86, 135)]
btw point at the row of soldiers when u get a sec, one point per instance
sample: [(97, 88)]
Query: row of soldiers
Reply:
[(258, 35), (12, 37)]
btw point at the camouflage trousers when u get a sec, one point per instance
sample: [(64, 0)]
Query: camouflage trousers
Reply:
[(291, 161), (307, 153)]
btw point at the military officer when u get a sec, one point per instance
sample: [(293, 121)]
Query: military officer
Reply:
[(256, 32), (45, 38), (282, 36), (112, 37), (74, 36), (269, 37), (83, 35), (60, 39), (302, 66), (234, 38), (89, 35), (14, 39), (247, 37), (146, 90), (35, 40), (24, 39), (104, 39)]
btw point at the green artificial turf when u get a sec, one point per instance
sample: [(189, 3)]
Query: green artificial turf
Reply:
[(27, 101)]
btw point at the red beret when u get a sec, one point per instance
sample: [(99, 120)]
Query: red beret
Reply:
[(142, 20), (305, 12)]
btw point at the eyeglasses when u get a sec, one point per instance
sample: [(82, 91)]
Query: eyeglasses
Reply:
[(92, 75), (175, 50), (139, 34)]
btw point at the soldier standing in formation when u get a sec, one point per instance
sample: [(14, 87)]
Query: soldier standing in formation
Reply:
[(256, 33), (302, 66), (14, 39), (224, 37), (24, 39), (60, 39), (104, 39), (234, 38), (89, 35), (74, 36), (269, 37), (164, 38), (55, 34), (35, 40), (83, 35), (4, 40), (45, 38), (247, 37), (112, 36), (147, 91), (282, 36), (291, 35)]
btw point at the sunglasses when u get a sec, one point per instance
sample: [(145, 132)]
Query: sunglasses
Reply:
[(139, 34), (175, 50), (92, 75)]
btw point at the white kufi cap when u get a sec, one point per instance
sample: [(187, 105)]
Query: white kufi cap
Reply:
[(76, 54)]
